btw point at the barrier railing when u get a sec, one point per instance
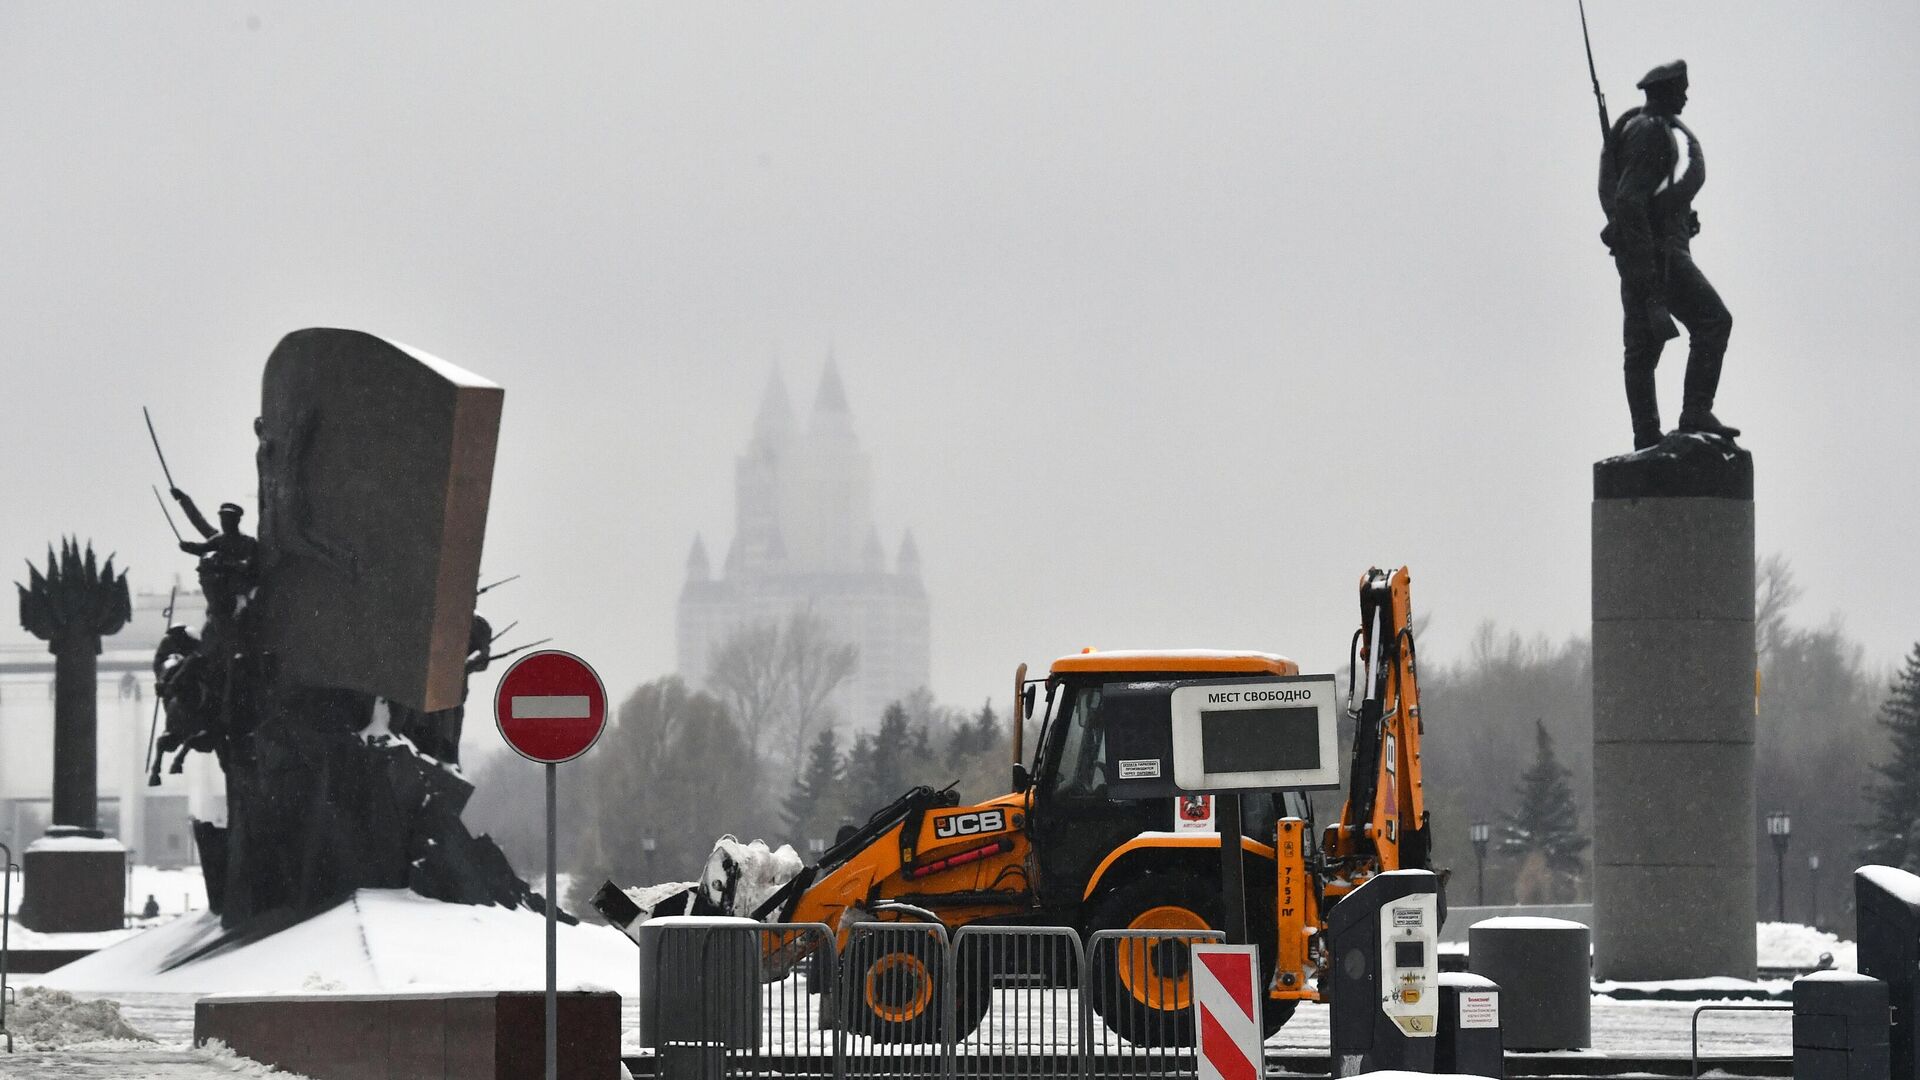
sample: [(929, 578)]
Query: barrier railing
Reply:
[(7, 869), (739, 1001), (903, 999), (1138, 1001), (1016, 1002), (895, 992)]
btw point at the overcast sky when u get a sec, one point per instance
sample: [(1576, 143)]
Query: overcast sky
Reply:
[(1161, 322)]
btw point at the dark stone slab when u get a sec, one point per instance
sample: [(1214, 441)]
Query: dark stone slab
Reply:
[(1680, 466), (66, 892), (375, 465), (471, 1036), (1673, 681), (41, 961), (1705, 923), (1672, 558)]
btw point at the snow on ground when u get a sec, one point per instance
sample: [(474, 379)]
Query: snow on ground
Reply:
[(1791, 945), (378, 940), (119, 1060), (42, 1019)]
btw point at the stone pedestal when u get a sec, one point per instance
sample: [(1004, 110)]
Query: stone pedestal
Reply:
[(73, 883), (1673, 712)]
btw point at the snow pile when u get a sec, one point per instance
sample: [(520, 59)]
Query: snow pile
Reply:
[(43, 1019), (740, 877), (216, 1051), (377, 941), (676, 895), (737, 880), (1792, 946), (75, 843)]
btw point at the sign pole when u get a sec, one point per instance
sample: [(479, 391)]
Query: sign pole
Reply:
[(1233, 877), (553, 908)]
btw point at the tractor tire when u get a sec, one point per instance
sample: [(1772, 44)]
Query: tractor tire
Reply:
[(894, 988), (1145, 993)]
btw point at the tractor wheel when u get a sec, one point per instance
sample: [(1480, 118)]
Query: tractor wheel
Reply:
[(894, 987), (1143, 988)]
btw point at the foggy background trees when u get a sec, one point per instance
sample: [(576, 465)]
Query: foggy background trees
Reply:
[(1509, 743)]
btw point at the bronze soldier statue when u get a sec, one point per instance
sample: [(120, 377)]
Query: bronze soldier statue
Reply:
[(1650, 171), (229, 558)]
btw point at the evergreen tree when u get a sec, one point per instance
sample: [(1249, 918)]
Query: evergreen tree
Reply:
[(858, 780), (892, 747), (1543, 825), (1891, 836), (816, 791)]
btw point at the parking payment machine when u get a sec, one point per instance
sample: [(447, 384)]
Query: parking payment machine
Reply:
[(1385, 1000)]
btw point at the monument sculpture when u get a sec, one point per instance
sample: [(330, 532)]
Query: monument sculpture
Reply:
[(1673, 563), (330, 676), (73, 878), (1651, 167)]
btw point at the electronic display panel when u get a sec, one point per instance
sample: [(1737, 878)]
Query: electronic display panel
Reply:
[(1266, 735)]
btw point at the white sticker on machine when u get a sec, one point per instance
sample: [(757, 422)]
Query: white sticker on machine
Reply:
[(1407, 917), (1140, 769), (1479, 1008)]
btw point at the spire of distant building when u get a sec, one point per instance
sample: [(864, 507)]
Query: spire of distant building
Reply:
[(830, 413), (773, 427), (698, 569), (908, 564)]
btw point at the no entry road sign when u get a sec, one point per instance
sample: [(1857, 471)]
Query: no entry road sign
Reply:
[(550, 706)]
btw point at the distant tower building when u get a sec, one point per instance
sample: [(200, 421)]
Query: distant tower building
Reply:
[(804, 539)]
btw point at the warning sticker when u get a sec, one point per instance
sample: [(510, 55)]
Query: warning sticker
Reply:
[(1140, 769), (1479, 1008)]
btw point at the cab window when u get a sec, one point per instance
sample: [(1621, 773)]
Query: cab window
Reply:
[(1082, 771)]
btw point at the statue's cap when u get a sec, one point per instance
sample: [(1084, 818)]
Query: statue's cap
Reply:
[(1664, 73), (231, 508)]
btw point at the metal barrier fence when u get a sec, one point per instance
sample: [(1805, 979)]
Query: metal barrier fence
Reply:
[(903, 999), (895, 1001), (7, 869), (1016, 1008), (1139, 1002), (738, 1000)]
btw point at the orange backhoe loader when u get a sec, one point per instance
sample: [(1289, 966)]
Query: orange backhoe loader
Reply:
[(1059, 851)]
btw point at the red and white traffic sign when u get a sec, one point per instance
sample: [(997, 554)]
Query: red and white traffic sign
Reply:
[(550, 706), (1226, 1012)]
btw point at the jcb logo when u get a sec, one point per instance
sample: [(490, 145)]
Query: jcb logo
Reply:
[(971, 824)]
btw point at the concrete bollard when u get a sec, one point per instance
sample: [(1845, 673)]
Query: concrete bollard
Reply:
[(1839, 1027), (1470, 1039), (1886, 903), (1544, 969)]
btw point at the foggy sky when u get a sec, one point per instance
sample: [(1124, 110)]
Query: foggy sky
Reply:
[(1161, 322)]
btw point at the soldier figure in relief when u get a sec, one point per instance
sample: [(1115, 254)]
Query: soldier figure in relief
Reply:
[(1650, 171)]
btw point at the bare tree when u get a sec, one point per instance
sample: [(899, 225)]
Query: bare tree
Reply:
[(777, 676), (1775, 593), (749, 671), (816, 664)]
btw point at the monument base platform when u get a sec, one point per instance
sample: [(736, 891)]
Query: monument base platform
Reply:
[(72, 882)]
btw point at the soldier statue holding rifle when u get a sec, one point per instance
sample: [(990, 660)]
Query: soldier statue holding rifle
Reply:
[(1651, 167)]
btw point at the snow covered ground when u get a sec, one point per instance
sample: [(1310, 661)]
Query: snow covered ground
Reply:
[(397, 941), (379, 940)]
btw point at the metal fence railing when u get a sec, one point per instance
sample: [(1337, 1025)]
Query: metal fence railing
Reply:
[(1016, 1009), (737, 1000), (895, 1001), (7, 869), (1139, 1002), (903, 999)]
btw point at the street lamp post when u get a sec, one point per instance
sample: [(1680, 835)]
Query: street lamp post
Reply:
[(1813, 887), (1780, 830), (1481, 833)]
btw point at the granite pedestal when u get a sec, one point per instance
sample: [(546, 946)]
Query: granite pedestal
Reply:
[(1673, 712), (73, 883)]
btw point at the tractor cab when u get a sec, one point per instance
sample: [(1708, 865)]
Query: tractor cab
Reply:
[(1078, 823)]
